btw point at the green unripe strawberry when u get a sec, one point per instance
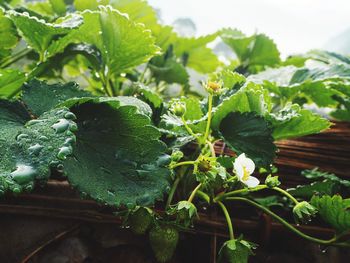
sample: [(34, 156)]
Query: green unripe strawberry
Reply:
[(140, 220), (163, 241)]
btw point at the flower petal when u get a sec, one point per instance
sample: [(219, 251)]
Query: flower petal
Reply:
[(252, 182), (249, 165), (239, 169)]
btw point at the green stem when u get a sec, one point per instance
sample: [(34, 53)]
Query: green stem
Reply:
[(190, 199), (286, 194), (228, 219), (240, 191), (172, 191), (210, 107), (15, 57), (188, 128), (286, 224), (212, 149), (182, 163), (204, 196)]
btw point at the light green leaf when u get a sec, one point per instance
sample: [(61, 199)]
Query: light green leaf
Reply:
[(255, 50), (40, 96), (123, 44), (40, 34), (116, 159), (8, 33), (59, 6), (29, 151), (334, 211), (250, 134), (292, 121), (138, 10), (10, 82)]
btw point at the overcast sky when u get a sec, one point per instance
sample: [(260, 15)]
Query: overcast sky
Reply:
[(295, 25)]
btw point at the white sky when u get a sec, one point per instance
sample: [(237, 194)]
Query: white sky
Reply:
[(295, 25)]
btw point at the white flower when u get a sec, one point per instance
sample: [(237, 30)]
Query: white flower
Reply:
[(243, 168)]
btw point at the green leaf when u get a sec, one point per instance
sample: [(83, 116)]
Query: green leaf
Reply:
[(315, 174), (59, 6), (334, 211), (292, 121), (10, 82), (29, 151), (138, 10), (255, 50), (166, 68), (250, 134), (325, 187), (40, 97), (250, 98), (40, 34), (195, 53), (123, 44), (8, 33), (116, 159)]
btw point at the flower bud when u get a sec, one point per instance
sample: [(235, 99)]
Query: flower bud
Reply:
[(213, 87), (178, 108), (303, 211), (272, 181)]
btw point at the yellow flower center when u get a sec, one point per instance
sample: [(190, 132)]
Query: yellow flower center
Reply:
[(245, 174)]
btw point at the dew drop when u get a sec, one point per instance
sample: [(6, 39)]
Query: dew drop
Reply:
[(64, 152), (61, 126), (43, 138), (32, 122), (70, 116), (23, 174), (35, 149), (22, 136)]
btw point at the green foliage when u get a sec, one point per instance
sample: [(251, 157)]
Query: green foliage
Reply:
[(254, 52), (334, 210), (116, 153), (137, 102), (293, 121), (41, 35), (8, 33), (40, 96), (11, 81), (122, 42), (250, 134), (31, 148)]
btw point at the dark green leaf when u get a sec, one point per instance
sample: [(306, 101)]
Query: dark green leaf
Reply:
[(115, 159), (334, 211), (250, 134), (41, 97), (28, 152)]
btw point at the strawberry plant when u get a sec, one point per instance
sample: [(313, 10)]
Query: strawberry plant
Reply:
[(100, 92)]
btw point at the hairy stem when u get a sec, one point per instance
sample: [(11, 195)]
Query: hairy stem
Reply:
[(210, 107)]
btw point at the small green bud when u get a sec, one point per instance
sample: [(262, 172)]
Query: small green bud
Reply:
[(177, 156), (272, 181), (178, 108), (303, 212)]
